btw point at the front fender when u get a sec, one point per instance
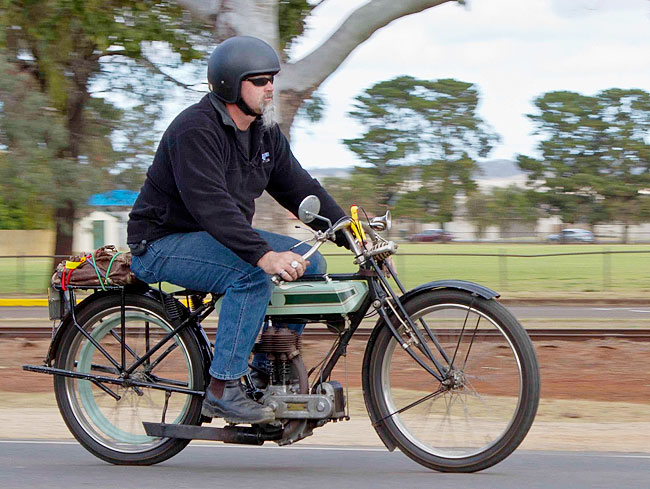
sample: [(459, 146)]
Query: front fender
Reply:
[(472, 287)]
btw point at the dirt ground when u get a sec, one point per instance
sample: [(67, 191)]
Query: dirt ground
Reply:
[(595, 396)]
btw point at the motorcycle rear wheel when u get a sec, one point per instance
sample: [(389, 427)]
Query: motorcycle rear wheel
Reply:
[(485, 406), (112, 429)]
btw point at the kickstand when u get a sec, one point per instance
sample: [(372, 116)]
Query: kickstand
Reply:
[(168, 394)]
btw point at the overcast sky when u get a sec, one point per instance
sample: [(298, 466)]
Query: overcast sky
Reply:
[(513, 50)]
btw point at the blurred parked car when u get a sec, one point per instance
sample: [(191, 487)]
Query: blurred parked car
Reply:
[(432, 235), (572, 236)]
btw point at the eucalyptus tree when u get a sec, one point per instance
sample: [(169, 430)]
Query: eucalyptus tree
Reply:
[(421, 142), (60, 44), (479, 207), (594, 163), (511, 206)]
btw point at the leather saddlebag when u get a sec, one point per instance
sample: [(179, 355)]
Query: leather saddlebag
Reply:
[(104, 266)]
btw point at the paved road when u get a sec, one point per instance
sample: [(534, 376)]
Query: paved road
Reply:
[(37, 316), (67, 465)]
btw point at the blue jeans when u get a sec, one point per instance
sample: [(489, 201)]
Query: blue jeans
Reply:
[(197, 261)]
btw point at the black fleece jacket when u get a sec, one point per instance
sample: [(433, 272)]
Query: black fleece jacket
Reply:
[(202, 180)]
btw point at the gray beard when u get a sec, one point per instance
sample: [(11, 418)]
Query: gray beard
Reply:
[(269, 115)]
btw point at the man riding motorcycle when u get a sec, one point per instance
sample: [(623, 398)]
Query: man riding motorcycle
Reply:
[(191, 223)]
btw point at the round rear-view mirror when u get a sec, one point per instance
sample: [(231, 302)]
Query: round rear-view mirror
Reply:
[(309, 209)]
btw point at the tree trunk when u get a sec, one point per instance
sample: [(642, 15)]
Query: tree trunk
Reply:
[(64, 218), (77, 99), (289, 101), (299, 79), (257, 18)]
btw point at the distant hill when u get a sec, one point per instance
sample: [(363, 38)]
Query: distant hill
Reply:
[(493, 171), (321, 173), (499, 169)]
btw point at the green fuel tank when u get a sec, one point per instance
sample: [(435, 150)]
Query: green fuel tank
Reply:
[(331, 297)]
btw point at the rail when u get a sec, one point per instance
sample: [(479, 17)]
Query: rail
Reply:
[(30, 273), (321, 333)]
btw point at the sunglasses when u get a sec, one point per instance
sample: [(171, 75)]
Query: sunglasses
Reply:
[(261, 81)]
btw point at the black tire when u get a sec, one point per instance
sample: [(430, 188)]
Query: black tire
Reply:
[(112, 430), (486, 415)]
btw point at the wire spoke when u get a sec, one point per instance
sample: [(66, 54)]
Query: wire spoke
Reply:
[(460, 337), (415, 403), (469, 348), (470, 387)]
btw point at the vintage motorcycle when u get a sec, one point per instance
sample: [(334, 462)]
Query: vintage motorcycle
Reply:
[(449, 376)]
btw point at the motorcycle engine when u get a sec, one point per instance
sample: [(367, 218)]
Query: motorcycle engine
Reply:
[(288, 392), (286, 369)]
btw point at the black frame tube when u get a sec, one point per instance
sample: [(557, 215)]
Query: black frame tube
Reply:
[(372, 275), (109, 380), (89, 337), (167, 337), (123, 327)]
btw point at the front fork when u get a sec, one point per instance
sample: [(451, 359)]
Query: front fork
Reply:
[(387, 303)]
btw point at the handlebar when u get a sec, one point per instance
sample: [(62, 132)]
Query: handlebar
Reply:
[(383, 250)]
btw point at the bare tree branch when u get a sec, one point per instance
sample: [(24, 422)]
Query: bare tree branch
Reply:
[(309, 72), (298, 80), (153, 66)]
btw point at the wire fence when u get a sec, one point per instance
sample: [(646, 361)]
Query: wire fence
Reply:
[(495, 235), (579, 271)]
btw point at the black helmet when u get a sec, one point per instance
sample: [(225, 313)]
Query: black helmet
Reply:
[(236, 58)]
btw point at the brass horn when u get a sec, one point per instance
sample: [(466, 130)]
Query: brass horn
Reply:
[(381, 223)]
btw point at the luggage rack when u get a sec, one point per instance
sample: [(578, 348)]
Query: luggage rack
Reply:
[(61, 301), (58, 299)]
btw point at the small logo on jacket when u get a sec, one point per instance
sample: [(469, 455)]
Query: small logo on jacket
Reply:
[(266, 157)]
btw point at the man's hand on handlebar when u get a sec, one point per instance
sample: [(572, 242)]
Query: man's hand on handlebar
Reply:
[(287, 265)]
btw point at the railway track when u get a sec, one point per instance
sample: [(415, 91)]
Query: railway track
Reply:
[(319, 333)]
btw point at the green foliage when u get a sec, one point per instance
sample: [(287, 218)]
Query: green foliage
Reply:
[(37, 173), (32, 136), (480, 211), (313, 107), (504, 207), (292, 16), (512, 205), (23, 215), (66, 38), (595, 154), (66, 144), (415, 205), (359, 188), (420, 143)]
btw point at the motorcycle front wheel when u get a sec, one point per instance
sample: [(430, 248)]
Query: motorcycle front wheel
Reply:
[(107, 418), (484, 406)]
